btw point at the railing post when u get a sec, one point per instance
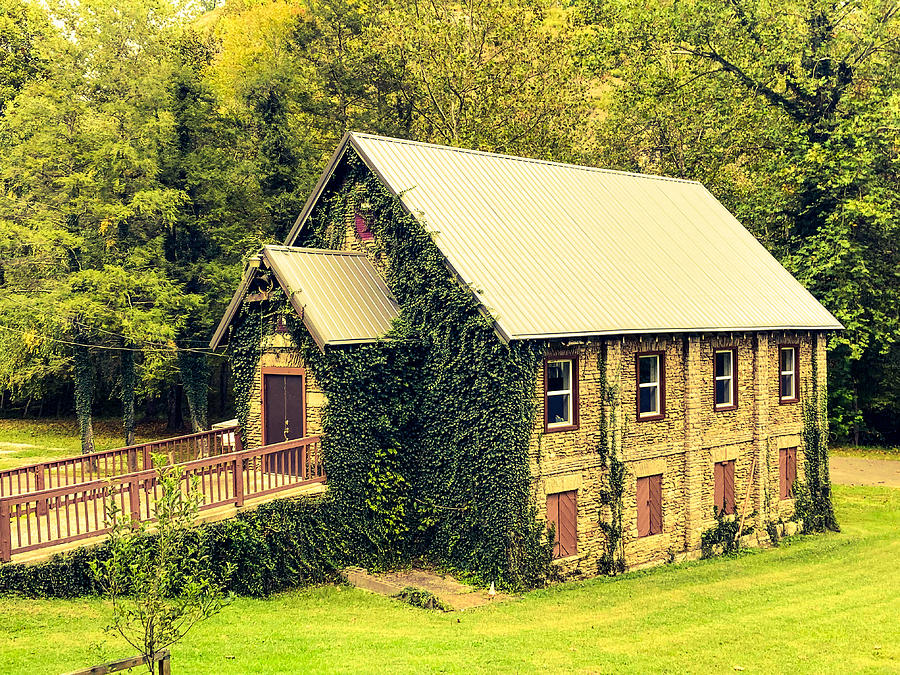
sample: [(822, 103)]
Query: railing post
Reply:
[(148, 464), (132, 460), (238, 477), (39, 485), (238, 443), (303, 458), (134, 500), (5, 532)]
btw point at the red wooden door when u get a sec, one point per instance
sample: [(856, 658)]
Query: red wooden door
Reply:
[(284, 418), (283, 414)]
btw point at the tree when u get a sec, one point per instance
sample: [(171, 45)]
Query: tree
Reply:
[(788, 114), (159, 587)]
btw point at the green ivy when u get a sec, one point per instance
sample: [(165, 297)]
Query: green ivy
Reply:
[(427, 433), (813, 495), (612, 561), (245, 349)]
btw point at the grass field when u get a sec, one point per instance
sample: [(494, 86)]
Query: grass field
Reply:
[(825, 603), (30, 441)]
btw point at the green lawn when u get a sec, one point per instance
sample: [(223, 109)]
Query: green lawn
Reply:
[(818, 604), (31, 441)]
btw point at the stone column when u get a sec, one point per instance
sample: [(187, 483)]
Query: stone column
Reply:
[(762, 381), (693, 443)]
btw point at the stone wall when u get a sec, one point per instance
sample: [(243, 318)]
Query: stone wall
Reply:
[(279, 350), (683, 446)]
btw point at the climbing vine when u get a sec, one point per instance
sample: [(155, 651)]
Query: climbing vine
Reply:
[(612, 561), (813, 495), (437, 418), (245, 345)]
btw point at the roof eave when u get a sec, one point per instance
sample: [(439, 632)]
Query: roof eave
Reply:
[(235, 304), (661, 331)]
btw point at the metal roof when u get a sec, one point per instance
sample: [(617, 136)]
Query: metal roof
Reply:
[(338, 294), (558, 250)]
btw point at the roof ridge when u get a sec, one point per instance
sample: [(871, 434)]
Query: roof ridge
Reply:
[(308, 249), (532, 160)]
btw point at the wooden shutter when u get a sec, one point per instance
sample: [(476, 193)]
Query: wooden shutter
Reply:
[(728, 485), (553, 517), (791, 470), (655, 483), (568, 524), (643, 506), (718, 485), (782, 473)]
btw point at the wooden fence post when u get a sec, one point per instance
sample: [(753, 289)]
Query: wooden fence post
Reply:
[(238, 443), (132, 460), (134, 500), (5, 532), (39, 485), (148, 463), (238, 477)]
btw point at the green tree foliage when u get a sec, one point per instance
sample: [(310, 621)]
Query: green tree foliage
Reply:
[(160, 589), (790, 114)]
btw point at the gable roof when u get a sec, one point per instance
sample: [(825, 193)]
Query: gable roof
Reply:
[(558, 250), (338, 294)]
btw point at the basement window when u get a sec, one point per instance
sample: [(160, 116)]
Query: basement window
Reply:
[(787, 374), (725, 379), (649, 505), (651, 386), (724, 487), (561, 394), (562, 511)]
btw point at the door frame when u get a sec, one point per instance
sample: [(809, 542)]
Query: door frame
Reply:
[(281, 370)]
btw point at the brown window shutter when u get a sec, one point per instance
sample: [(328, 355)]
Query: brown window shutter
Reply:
[(656, 504), (718, 485), (553, 517), (792, 470), (643, 506), (568, 524), (782, 473), (728, 481)]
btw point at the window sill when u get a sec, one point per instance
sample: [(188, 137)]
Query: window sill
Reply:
[(568, 427), (784, 401), (725, 408), (651, 418)]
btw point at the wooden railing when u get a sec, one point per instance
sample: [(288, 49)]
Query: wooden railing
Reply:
[(108, 463), (73, 512)]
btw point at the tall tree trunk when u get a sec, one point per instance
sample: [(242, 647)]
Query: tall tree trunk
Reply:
[(175, 420), (195, 380), (84, 395), (126, 364)]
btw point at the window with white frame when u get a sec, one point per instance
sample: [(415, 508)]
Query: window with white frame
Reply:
[(560, 395), (725, 380), (787, 380), (650, 385)]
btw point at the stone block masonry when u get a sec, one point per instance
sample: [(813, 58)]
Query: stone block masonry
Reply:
[(683, 445)]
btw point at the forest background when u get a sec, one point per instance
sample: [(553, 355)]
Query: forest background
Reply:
[(148, 147)]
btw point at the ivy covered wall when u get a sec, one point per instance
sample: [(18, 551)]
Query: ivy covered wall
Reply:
[(426, 432)]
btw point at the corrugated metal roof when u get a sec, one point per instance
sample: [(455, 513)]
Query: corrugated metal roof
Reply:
[(557, 250), (340, 296)]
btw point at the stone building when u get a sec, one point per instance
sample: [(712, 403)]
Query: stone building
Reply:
[(670, 335)]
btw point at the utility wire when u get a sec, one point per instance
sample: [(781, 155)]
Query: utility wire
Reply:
[(72, 343)]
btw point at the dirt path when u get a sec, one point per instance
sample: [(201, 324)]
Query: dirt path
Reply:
[(859, 471)]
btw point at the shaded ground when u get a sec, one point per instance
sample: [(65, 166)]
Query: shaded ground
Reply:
[(859, 471)]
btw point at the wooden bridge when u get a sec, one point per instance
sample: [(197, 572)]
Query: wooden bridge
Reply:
[(51, 504)]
